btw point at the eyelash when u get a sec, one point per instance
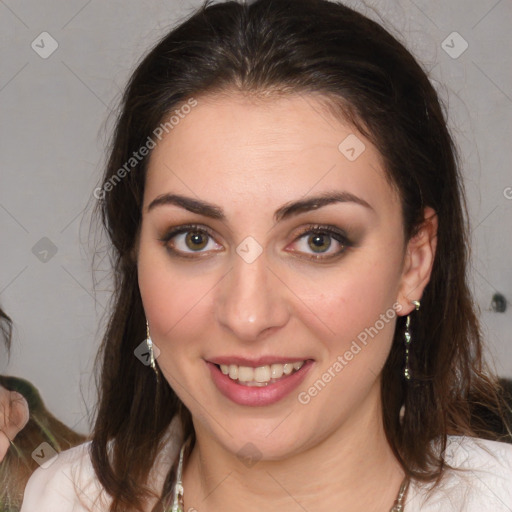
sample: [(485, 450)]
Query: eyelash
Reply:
[(331, 231), (195, 228)]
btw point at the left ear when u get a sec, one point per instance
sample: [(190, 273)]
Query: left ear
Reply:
[(418, 261)]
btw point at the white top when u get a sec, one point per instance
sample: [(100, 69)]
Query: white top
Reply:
[(69, 483)]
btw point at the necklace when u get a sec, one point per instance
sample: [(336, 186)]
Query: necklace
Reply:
[(178, 505)]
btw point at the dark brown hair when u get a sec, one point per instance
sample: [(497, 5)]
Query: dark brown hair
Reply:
[(368, 78), (6, 330)]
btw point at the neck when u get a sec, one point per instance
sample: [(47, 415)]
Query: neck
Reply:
[(351, 470)]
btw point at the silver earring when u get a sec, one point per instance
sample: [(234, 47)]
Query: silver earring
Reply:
[(149, 343), (407, 340)]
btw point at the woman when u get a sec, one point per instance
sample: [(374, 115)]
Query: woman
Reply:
[(14, 413), (287, 220), (29, 434)]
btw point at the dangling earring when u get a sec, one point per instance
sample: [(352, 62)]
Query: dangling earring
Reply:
[(407, 336), (149, 343)]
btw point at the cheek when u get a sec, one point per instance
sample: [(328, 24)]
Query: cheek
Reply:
[(175, 300), (355, 309), (360, 318)]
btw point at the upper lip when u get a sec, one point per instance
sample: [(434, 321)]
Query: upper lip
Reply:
[(257, 361)]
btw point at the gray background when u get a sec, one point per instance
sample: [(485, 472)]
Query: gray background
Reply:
[(57, 112)]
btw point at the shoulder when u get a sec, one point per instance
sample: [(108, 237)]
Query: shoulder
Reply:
[(493, 453), (68, 482), (64, 483), (479, 479)]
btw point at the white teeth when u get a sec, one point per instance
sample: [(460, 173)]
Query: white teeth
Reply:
[(288, 368), (233, 371), (245, 374), (276, 371), (262, 375)]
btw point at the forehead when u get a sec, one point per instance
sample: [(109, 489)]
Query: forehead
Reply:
[(233, 148)]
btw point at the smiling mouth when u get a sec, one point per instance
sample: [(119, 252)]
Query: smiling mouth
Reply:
[(260, 376)]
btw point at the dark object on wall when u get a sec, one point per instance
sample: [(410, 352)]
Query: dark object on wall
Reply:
[(499, 303)]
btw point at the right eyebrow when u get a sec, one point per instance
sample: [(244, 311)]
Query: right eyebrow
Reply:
[(192, 205)]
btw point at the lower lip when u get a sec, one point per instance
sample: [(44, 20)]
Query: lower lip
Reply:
[(258, 396)]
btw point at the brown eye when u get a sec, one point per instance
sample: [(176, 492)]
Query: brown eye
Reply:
[(196, 240), (319, 242), (190, 241)]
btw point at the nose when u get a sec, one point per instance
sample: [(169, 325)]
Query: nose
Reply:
[(251, 301)]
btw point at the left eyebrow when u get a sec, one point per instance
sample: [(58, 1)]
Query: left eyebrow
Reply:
[(313, 203)]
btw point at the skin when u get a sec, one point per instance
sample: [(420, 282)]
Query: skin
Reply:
[(14, 415), (250, 158)]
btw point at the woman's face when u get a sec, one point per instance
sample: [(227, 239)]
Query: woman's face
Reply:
[(269, 237)]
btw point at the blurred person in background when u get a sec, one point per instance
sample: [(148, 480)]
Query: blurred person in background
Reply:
[(25, 424)]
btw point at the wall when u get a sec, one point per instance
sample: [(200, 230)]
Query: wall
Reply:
[(56, 113)]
